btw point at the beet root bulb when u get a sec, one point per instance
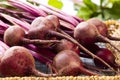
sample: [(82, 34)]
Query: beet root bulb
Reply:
[(18, 61), (68, 63), (101, 26), (107, 56), (15, 35)]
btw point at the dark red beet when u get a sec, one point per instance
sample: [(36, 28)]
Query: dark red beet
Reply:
[(68, 63), (18, 61), (39, 29), (107, 56), (44, 26), (36, 22), (55, 20), (15, 35), (102, 28), (87, 33), (11, 37)]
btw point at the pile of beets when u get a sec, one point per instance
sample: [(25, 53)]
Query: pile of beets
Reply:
[(56, 41)]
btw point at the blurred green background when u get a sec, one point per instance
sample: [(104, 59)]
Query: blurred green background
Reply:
[(85, 9)]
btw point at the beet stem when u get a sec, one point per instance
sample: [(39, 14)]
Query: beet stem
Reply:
[(4, 45), (63, 32), (88, 72), (83, 48), (16, 21), (40, 58), (97, 69), (81, 70), (60, 12), (85, 55), (69, 20), (67, 25), (38, 41), (28, 7), (40, 74), (3, 24), (108, 41), (42, 51), (113, 38), (52, 68)]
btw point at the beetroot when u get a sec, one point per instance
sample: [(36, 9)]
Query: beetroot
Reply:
[(68, 63), (18, 61), (15, 35), (107, 56), (87, 33), (102, 28), (55, 20), (36, 22)]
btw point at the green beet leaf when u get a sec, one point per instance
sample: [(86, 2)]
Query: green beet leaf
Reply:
[(56, 3)]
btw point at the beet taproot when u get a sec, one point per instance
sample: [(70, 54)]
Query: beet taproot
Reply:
[(18, 61)]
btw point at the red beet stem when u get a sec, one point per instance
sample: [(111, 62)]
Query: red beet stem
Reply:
[(38, 73), (28, 7), (16, 21), (114, 38), (39, 57), (4, 45), (46, 52), (38, 41), (60, 16), (88, 72), (61, 12), (100, 37), (3, 24), (66, 25)]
